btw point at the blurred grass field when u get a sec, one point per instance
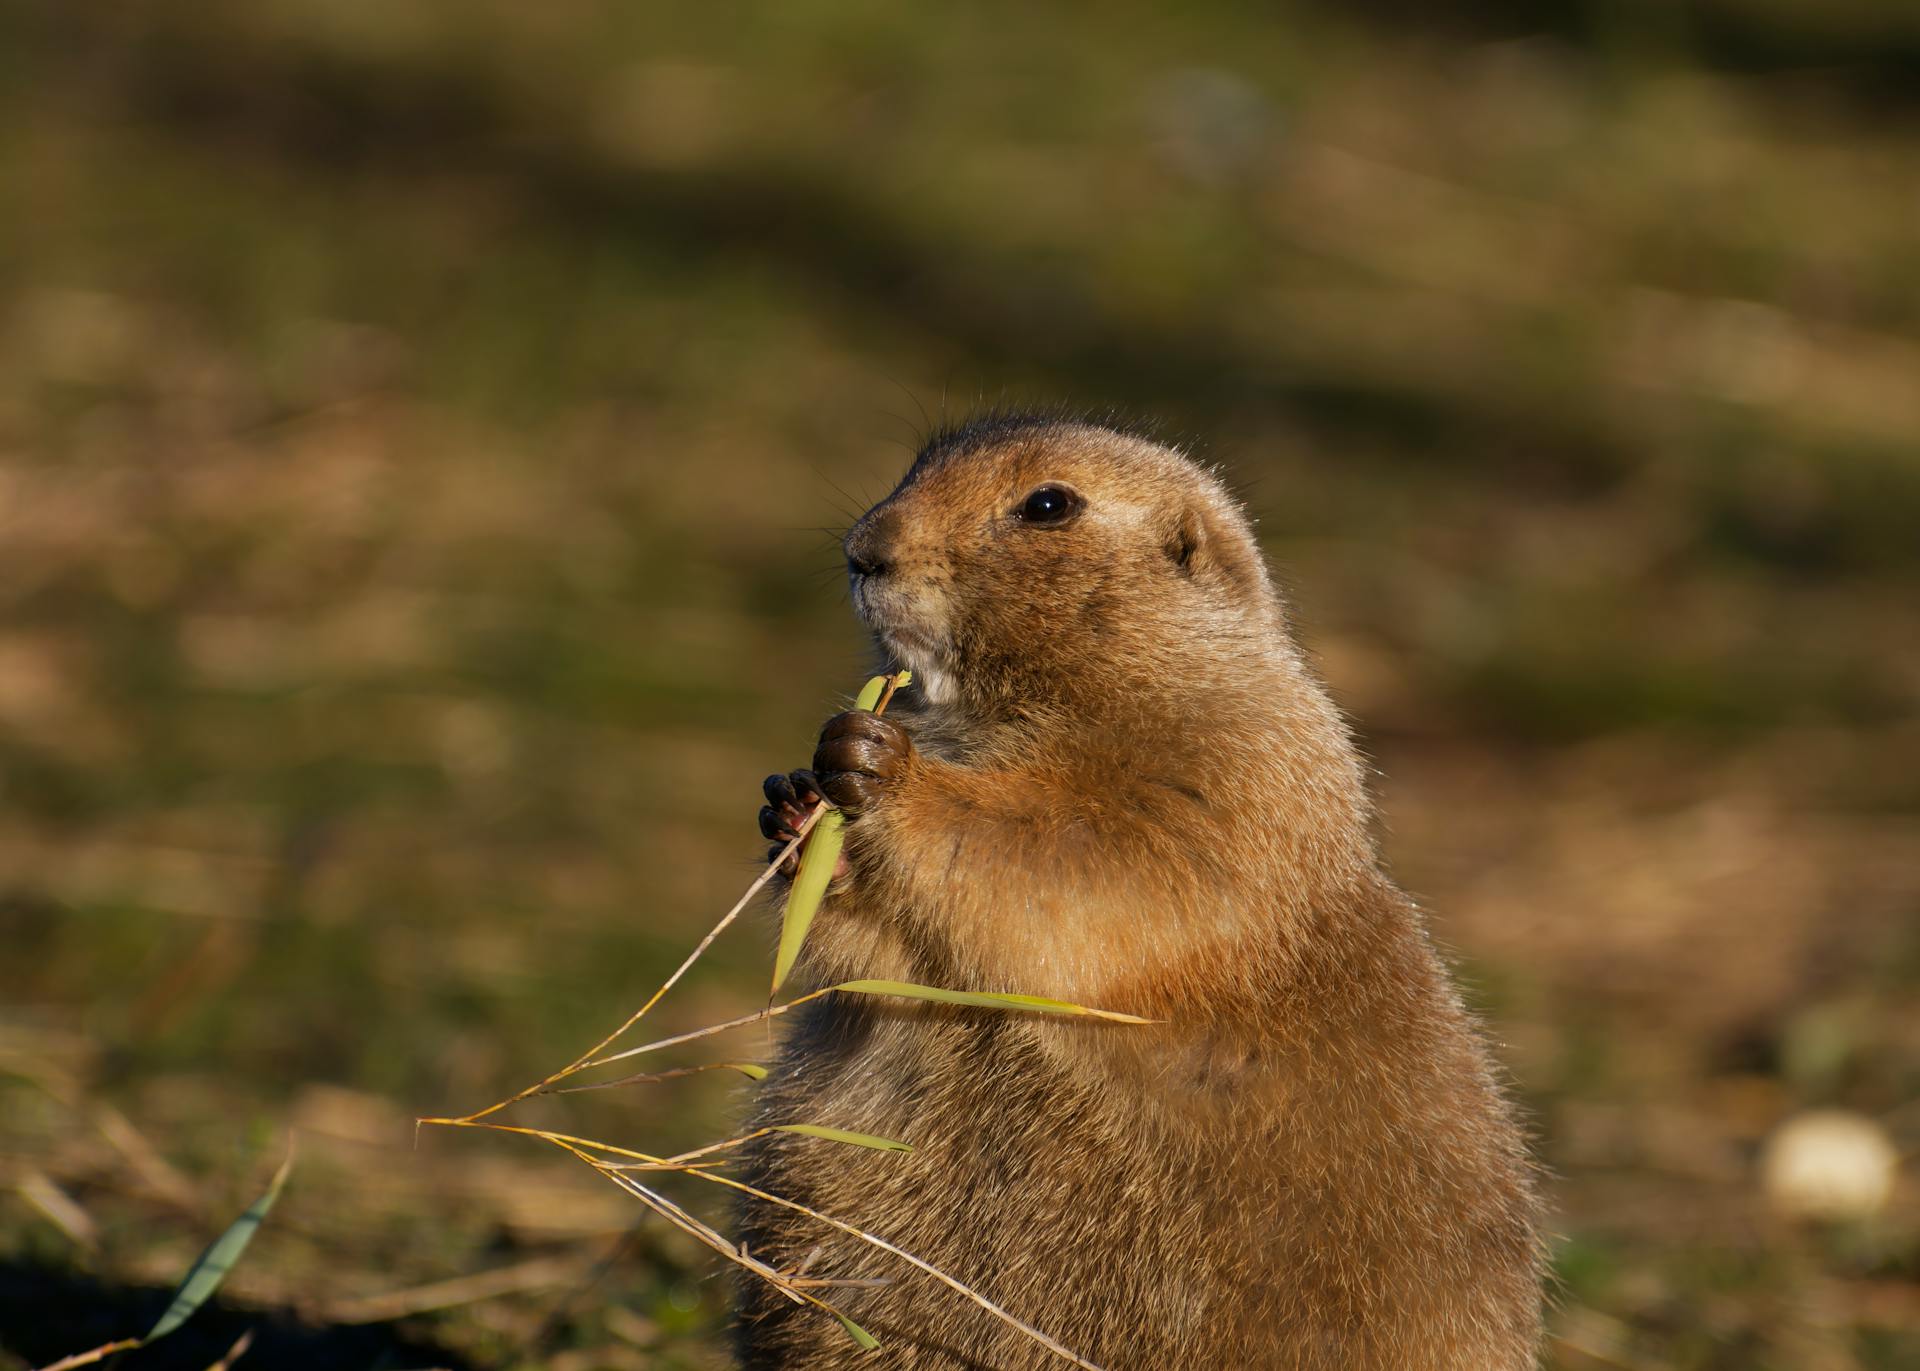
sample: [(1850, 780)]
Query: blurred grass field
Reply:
[(422, 435)]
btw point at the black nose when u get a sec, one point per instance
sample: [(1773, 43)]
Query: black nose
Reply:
[(866, 548)]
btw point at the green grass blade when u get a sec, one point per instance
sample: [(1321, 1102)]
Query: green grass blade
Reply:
[(820, 1130), (748, 1069), (218, 1259), (868, 1343), (982, 999), (821, 855)]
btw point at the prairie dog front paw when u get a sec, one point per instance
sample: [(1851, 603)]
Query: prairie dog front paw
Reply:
[(860, 753)]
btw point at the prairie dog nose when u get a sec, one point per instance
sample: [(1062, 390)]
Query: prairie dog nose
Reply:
[(868, 553)]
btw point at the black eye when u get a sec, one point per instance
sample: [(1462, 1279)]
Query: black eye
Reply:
[(1050, 505)]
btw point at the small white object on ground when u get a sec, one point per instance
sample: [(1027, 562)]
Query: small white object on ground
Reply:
[(1829, 1164)]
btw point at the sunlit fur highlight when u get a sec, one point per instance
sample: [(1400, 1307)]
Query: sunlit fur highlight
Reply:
[(1128, 790)]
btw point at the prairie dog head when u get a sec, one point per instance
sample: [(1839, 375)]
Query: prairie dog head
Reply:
[(1020, 554)]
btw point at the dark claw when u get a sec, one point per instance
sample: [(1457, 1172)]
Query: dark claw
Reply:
[(790, 798), (793, 790)]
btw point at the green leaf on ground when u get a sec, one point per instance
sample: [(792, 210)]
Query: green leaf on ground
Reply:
[(219, 1258)]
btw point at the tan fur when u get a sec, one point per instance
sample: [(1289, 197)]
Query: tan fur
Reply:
[(1127, 790)]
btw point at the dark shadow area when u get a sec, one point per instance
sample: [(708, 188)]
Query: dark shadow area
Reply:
[(47, 1314), (1863, 56)]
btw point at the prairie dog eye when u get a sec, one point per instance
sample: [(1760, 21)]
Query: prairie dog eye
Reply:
[(1050, 504)]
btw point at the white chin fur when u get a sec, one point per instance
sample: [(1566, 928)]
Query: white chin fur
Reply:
[(934, 680), (929, 672), (934, 683)]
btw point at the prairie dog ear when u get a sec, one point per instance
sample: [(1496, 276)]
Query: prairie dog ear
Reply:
[(1204, 545), (1183, 538)]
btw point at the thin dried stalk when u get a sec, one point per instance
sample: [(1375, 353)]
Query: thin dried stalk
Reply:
[(706, 1234), (772, 1011), (653, 1077), (685, 1157), (234, 1353), (583, 1147), (92, 1355), (950, 1282), (586, 1059)]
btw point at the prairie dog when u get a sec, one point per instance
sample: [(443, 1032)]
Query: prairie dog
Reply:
[(1116, 782)]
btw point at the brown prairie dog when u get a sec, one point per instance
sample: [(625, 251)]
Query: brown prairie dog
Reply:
[(1116, 782)]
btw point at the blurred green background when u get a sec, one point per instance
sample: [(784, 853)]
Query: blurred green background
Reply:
[(423, 430)]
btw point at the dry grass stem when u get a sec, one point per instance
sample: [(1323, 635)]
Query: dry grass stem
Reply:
[(239, 1349), (740, 1256), (653, 1077), (711, 1148), (758, 1016), (88, 1358), (586, 1059), (696, 1228), (950, 1282), (584, 1148)]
